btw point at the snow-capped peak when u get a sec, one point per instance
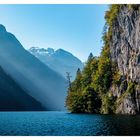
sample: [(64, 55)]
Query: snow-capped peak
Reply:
[(50, 51), (42, 51), (59, 60)]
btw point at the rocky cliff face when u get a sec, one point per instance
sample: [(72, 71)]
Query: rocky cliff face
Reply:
[(125, 50)]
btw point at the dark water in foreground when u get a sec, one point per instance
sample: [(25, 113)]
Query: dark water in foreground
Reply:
[(66, 124)]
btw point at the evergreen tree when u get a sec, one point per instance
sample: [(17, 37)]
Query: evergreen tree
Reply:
[(74, 98), (89, 91), (87, 71), (81, 96), (90, 57), (77, 83)]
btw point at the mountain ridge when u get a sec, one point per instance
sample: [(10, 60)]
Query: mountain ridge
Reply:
[(59, 60), (30, 73)]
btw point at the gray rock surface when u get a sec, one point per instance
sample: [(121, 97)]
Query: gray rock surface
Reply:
[(125, 50)]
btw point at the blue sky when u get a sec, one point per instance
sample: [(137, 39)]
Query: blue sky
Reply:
[(75, 28)]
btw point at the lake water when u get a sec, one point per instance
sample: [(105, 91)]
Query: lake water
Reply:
[(66, 124)]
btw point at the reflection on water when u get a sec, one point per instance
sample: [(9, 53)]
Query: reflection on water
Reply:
[(66, 124)]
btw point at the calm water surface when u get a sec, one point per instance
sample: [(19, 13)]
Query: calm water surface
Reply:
[(66, 124)]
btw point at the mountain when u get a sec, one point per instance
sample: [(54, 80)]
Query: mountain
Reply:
[(14, 98), (60, 60), (38, 80)]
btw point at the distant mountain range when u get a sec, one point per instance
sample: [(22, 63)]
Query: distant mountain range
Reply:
[(33, 79), (60, 60)]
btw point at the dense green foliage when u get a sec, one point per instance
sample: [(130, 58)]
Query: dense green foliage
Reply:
[(89, 92), (90, 85), (82, 96)]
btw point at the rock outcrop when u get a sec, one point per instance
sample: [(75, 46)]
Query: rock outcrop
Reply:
[(125, 51)]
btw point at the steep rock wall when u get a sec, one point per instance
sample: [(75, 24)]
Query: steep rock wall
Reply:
[(125, 51)]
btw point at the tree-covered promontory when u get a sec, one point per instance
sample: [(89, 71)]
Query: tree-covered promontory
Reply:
[(102, 87)]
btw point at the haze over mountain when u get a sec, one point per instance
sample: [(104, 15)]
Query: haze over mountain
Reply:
[(38, 80), (60, 60), (14, 98)]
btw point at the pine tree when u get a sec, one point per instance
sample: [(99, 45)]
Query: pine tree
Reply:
[(87, 71), (76, 84)]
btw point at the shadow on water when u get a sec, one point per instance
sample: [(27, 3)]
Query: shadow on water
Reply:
[(112, 125)]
